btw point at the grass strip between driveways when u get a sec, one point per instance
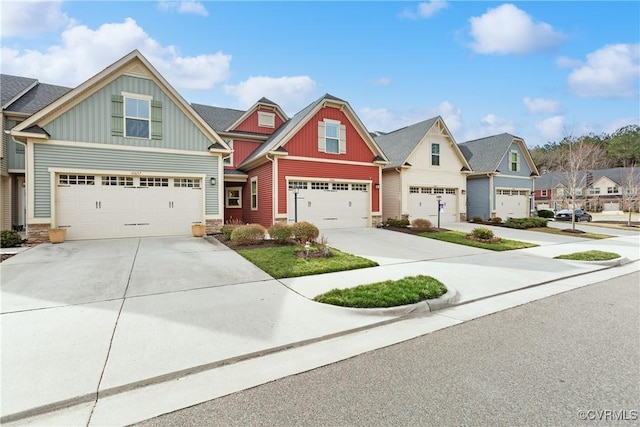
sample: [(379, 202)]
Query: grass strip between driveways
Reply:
[(390, 293), (282, 262), (551, 230), (589, 256), (460, 238)]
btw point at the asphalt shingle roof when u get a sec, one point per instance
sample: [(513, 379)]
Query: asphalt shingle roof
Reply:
[(38, 98), (617, 175), (485, 154), (399, 144), (12, 86), (218, 118)]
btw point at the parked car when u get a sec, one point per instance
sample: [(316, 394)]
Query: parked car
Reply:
[(580, 215)]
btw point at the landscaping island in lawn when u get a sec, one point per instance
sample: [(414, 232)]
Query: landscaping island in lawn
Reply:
[(592, 255)]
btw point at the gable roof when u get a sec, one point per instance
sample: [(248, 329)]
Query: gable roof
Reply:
[(218, 118), (262, 102), (289, 128), (399, 144), (485, 154), (37, 98), (617, 175), (134, 62), (12, 87)]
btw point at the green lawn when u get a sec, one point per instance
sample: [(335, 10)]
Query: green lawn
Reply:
[(390, 293), (590, 256), (551, 230), (281, 262), (459, 237)]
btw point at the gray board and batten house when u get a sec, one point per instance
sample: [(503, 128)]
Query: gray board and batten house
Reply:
[(502, 181)]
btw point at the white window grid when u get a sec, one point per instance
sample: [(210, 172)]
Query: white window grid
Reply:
[(435, 154), (76, 179), (137, 110), (359, 187), (340, 186), (186, 182), (450, 191), (154, 182), (300, 185), (332, 137), (117, 181), (319, 185), (438, 191), (414, 190), (234, 197), (612, 190)]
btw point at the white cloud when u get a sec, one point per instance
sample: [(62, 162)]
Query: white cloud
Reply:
[(507, 29), (30, 18), (99, 48), (451, 115), (553, 128), (489, 125), (291, 93), (610, 72), (385, 120), (540, 105), (381, 81), (425, 10), (566, 62), (186, 6), (378, 119)]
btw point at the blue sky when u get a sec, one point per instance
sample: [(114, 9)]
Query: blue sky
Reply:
[(541, 70)]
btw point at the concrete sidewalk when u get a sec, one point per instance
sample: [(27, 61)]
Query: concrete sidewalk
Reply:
[(123, 359)]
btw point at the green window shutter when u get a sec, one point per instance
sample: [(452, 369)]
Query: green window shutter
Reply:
[(117, 115), (156, 119), (321, 141), (342, 144)]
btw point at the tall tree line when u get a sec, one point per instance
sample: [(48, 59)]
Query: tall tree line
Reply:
[(619, 149)]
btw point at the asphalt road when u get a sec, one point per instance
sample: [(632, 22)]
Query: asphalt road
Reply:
[(550, 362)]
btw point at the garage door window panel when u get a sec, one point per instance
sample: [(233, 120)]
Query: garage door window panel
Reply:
[(154, 182), (117, 181), (66, 180)]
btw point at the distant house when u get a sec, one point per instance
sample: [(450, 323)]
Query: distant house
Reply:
[(501, 183), (426, 168), (320, 166), (600, 190), (21, 98), (120, 155)]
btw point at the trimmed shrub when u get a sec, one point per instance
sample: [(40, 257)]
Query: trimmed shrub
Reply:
[(545, 213), (522, 223), (482, 233), (477, 219), (304, 232), (496, 220), (9, 238), (420, 224), (398, 222), (227, 229), (250, 234), (281, 233)]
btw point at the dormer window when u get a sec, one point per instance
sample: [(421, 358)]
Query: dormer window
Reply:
[(266, 120)]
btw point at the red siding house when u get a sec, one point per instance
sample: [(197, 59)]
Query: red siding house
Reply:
[(321, 165)]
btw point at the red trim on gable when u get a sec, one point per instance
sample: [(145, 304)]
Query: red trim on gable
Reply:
[(305, 142), (311, 169), (250, 124)]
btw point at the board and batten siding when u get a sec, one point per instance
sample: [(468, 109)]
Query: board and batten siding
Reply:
[(391, 195), (90, 120), (55, 156), (524, 166), (15, 153), (478, 198)]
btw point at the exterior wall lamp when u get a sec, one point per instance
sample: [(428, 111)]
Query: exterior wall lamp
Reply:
[(377, 186), (212, 181)]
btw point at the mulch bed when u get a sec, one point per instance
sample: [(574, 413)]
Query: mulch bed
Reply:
[(262, 244), (5, 256)]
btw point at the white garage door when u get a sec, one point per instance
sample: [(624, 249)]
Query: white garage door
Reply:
[(329, 204), (93, 206), (423, 203), (512, 203)]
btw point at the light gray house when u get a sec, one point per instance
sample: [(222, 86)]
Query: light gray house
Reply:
[(502, 182), (122, 154)]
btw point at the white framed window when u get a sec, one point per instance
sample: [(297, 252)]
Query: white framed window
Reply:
[(137, 117), (332, 137), (514, 161), (266, 120), (186, 182), (319, 185), (595, 190), (76, 179), (543, 193), (435, 154), (117, 181), (254, 193), (154, 182), (233, 197), (228, 161), (300, 185), (612, 190)]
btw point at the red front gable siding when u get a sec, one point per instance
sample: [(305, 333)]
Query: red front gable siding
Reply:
[(242, 150), (311, 169), (251, 123), (264, 214), (305, 142)]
